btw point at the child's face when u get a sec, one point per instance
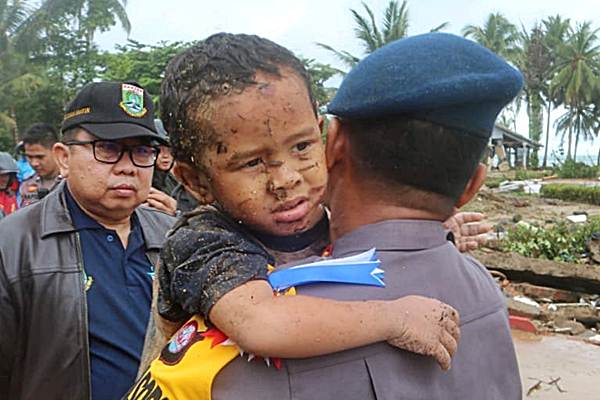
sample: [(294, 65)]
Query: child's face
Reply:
[(267, 167)]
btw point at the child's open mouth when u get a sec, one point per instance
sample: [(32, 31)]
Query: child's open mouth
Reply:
[(292, 211)]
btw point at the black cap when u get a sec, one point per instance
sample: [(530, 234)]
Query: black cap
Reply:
[(160, 129), (112, 110)]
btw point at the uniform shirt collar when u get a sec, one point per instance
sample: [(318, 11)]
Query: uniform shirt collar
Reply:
[(393, 235)]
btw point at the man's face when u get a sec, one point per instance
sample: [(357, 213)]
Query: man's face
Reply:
[(267, 165), (41, 160), (110, 191), (164, 162)]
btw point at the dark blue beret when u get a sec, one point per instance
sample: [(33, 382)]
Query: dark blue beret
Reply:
[(435, 77)]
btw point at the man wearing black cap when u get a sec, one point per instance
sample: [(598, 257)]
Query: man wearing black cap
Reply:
[(411, 123), (76, 274)]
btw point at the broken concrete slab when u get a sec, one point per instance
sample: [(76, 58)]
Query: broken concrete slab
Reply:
[(569, 326), (522, 309), (559, 275), (584, 313)]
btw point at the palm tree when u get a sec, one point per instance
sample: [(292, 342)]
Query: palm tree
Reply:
[(497, 34), (89, 16), (12, 15), (394, 26), (585, 121), (577, 75), (555, 32), (534, 62), (501, 37)]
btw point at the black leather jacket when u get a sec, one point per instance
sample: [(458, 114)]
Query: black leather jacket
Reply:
[(44, 349)]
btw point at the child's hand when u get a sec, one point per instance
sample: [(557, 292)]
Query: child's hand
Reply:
[(426, 326)]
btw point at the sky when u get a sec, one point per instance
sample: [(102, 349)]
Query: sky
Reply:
[(299, 24)]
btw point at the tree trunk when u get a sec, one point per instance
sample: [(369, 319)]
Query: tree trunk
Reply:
[(15, 132), (536, 118), (576, 144), (570, 140), (547, 133)]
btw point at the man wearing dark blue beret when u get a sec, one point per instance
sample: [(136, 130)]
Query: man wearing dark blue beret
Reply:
[(411, 123)]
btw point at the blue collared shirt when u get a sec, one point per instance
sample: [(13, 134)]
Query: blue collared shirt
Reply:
[(119, 293)]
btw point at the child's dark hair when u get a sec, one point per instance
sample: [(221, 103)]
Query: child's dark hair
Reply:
[(425, 164), (42, 134), (216, 66)]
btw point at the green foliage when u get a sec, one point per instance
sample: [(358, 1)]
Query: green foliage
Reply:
[(572, 169), (562, 242), (394, 26), (319, 74), (142, 63), (576, 193)]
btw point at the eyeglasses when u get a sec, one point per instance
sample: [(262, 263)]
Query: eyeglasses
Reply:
[(109, 152)]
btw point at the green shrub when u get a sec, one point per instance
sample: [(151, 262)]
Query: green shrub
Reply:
[(523, 174), (572, 169), (577, 193), (494, 182), (562, 242)]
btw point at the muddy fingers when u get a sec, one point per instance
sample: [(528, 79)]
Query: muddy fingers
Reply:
[(443, 357), (449, 343), (426, 326)]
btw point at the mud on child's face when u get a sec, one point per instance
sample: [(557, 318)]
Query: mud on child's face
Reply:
[(267, 167)]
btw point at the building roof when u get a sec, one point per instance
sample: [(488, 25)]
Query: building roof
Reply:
[(510, 137)]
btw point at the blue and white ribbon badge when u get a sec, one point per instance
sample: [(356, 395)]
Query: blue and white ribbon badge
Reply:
[(361, 269)]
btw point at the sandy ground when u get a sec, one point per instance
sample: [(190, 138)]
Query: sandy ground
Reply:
[(503, 207), (545, 358)]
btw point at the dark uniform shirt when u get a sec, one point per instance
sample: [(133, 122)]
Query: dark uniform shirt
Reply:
[(119, 292), (417, 260)]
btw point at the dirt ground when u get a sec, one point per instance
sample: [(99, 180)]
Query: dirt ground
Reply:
[(503, 207), (544, 359)]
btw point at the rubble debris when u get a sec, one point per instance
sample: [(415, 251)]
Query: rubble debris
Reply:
[(559, 275), (578, 218), (538, 385), (522, 309), (593, 340), (522, 324), (582, 312), (532, 186), (569, 326), (542, 293)]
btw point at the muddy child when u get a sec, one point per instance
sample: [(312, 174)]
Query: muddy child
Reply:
[(247, 140)]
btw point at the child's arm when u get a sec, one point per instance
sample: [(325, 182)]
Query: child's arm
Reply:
[(304, 326)]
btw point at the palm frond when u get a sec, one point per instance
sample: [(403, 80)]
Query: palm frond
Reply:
[(343, 56)]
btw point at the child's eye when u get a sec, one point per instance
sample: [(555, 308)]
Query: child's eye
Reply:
[(253, 163), (302, 146)]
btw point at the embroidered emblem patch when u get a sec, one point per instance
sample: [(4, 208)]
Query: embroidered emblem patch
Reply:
[(180, 343), (132, 100)]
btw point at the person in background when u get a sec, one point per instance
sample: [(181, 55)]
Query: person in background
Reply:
[(9, 184), (25, 170), (37, 143), (167, 194), (163, 179)]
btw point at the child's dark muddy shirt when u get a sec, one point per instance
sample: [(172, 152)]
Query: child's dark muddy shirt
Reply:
[(207, 255)]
